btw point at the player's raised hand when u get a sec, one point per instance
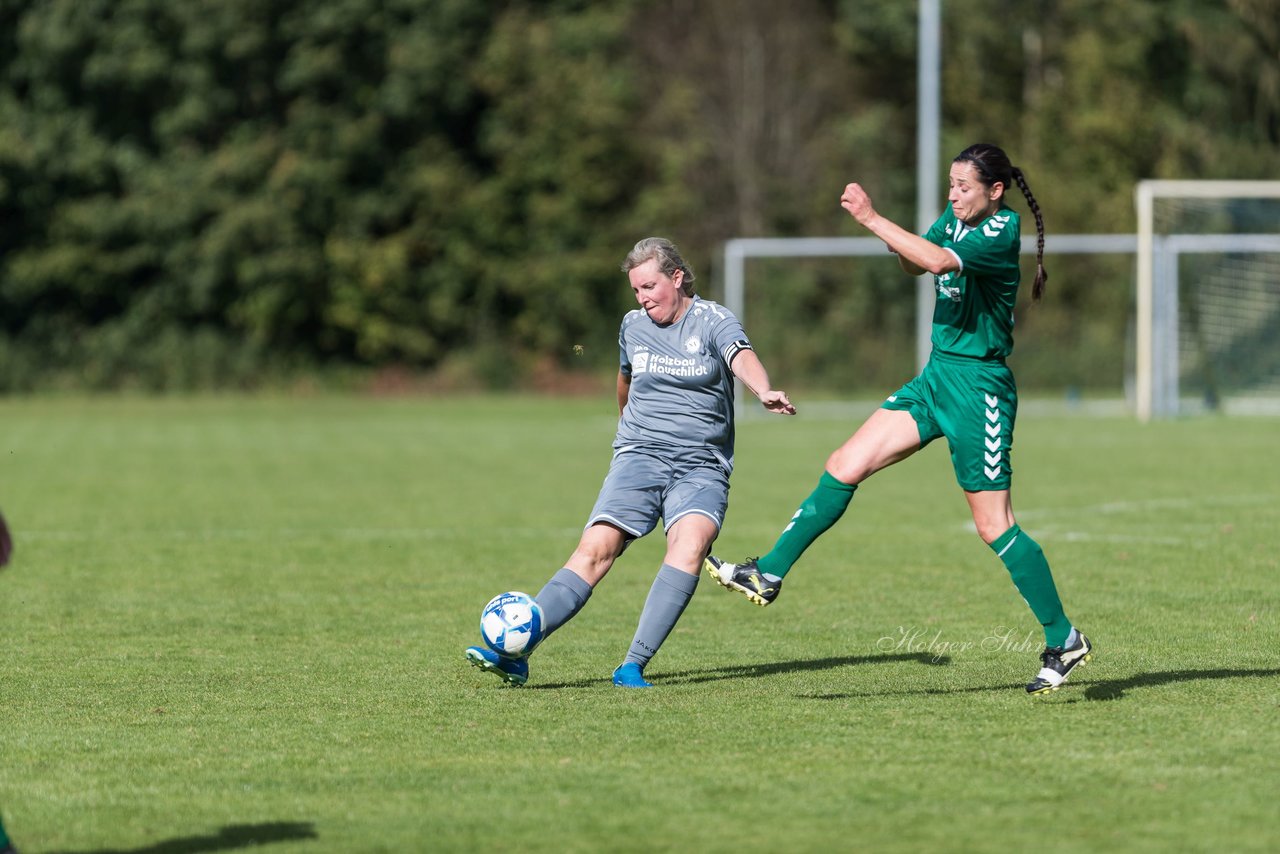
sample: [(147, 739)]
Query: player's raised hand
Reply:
[(856, 201)]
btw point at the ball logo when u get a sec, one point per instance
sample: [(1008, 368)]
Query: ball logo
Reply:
[(692, 344), (511, 624)]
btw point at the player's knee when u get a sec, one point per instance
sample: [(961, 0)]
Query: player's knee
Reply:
[(845, 467), (597, 550), (689, 548), (991, 528), (990, 532), (595, 553), (686, 555), (688, 545)]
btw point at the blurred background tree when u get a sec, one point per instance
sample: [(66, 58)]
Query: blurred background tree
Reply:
[(234, 194)]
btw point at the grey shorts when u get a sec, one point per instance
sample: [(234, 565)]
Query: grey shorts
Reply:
[(644, 485)]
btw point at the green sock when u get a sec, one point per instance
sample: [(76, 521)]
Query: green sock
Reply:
[(1030, 572), (4, 839), (819, 511)]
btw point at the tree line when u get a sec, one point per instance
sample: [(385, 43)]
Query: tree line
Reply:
[(231, 193)]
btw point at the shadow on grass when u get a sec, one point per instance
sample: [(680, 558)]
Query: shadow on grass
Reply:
[(755, 671), (1113, 689), (229, 838), (913, 692), (1107, 689)]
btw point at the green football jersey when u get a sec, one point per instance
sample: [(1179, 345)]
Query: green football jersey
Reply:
[(973, 315)]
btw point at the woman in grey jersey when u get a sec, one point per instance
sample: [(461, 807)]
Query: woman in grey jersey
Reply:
[(672, 455), (965, 393)]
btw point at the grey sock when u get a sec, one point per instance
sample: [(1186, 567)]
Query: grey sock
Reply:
[(561, 598), (670, 593)]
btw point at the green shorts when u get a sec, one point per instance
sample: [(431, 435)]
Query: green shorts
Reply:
[(974, 404)]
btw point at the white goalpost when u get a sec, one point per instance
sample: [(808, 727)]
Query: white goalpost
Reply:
[(1234, 297)]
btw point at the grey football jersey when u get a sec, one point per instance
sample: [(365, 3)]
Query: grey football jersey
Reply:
[(681, 386)]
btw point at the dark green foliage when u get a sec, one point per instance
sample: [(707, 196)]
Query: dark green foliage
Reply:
[(216, 194)]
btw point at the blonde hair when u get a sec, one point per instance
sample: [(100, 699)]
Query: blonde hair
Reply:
[(668, 257)]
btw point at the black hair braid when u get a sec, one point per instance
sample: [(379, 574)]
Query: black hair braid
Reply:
[(1037, 290)]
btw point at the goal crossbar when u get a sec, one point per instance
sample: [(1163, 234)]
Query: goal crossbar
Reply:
[(739, 250)]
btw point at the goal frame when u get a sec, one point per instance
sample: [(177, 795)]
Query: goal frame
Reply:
[(1156, 327), (739, 250)]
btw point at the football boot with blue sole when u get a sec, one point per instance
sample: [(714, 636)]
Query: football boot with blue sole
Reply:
[(513, 671), (629, 675)]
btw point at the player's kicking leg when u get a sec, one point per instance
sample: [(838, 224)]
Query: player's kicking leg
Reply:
[(513, 671)]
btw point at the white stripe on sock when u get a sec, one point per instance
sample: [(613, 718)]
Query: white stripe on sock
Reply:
[(1006, 548)]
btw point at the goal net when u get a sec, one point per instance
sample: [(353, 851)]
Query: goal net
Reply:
[(1208, 298)]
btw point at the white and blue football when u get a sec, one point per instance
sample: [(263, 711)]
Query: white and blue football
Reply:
[(511, 624)]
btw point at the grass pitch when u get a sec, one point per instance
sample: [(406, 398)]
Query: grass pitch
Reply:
[(231, 622)]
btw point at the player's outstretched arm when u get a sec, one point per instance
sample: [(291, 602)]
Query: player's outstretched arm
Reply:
[(748, 368), (915, 254)]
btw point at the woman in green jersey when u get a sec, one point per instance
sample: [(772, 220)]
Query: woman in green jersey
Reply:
[(965, 393)]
